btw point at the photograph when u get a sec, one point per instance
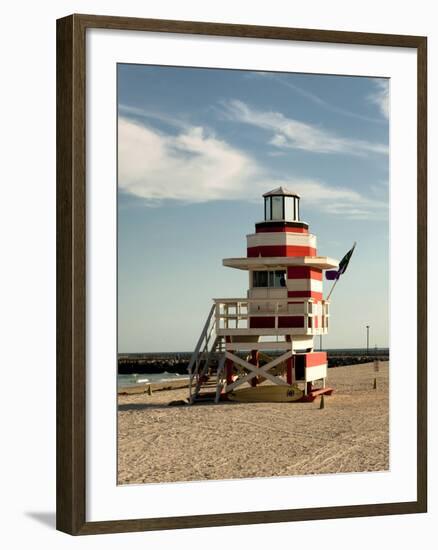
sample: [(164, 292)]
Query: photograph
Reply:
[(253, 254)]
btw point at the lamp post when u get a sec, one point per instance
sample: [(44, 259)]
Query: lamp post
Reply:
[(368, 339)]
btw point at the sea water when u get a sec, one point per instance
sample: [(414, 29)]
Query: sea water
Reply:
[(125, 380)]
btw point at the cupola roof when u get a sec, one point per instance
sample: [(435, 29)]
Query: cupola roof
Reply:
[(281, 191)]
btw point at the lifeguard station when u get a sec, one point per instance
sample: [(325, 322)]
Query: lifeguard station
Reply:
[(262, 345)]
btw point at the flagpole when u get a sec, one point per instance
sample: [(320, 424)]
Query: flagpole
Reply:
[(345, 261), (327, 299), (331, 290)]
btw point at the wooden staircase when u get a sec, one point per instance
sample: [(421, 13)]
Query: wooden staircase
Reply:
[(204, 385)]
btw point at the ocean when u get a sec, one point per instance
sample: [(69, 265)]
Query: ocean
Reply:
[(126, 380)]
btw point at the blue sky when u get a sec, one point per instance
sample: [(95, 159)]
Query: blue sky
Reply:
[(197, 149)]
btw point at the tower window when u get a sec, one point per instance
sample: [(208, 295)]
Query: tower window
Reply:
[(268, 208), (269, 279), (289, 212), (277, 208)]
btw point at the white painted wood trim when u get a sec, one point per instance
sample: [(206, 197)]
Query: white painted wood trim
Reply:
[(248, 346), (315, 373), (280, 262), (265, 331), (281, 239), (304, 284), (256, 371)]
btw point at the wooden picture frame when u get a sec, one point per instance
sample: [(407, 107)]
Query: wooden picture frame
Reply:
[(71, 273)]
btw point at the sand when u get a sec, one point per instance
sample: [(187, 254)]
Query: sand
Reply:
[(158, 443)]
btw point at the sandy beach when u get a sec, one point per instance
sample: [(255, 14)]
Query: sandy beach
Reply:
[(158, 443)]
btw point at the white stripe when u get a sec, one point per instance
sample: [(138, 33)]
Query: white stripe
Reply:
[(281, 262), (281, 239), (302, 342), (304, 284), (315, 373)]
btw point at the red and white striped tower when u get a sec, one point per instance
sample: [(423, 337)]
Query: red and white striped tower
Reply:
[(284, 308)]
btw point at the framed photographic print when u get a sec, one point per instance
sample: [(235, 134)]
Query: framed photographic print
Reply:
[(241, 274)]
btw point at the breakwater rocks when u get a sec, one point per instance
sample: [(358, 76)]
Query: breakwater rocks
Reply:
[(151, 365), (343, 361), (177, 363)]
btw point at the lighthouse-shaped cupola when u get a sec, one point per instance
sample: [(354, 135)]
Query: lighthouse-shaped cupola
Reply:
[(282, 205), (283, 308)]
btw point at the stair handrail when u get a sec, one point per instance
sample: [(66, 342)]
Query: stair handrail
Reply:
[(195, 354), (201, 339)]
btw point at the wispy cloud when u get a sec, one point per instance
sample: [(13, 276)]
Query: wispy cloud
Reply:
[(340, 200), (193, 166), (196, 166), (289, 133), (316, 99), (380, 96), (135, 112)]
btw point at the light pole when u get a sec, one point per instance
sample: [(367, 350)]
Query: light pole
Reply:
[(368, 339)]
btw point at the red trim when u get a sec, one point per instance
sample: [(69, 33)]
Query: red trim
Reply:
[(304, 273), (254, 361), (314, 393), (281, 230), (262, 322), (289, 321), (316, 358), (289, 366), (283, 250), (304, 294), (292, 321), (228, 365)]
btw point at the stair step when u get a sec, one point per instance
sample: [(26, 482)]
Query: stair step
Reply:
[(209, 348)]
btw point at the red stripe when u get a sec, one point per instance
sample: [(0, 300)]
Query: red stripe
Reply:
[(275, 251), (304, 294), (304, 273), (290, 321), (262, 322), (294, 321), (316, 359), (281, 230)]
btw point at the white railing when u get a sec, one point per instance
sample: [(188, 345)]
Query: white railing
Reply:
[(234, 314)]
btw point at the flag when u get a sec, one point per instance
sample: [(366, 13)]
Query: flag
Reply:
[(332, 275), (343, 264)]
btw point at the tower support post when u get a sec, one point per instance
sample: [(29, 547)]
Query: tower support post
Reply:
[(228, 366), (290, 365), (254, 361)]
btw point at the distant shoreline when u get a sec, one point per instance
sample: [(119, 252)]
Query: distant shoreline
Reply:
[(154, 386)]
